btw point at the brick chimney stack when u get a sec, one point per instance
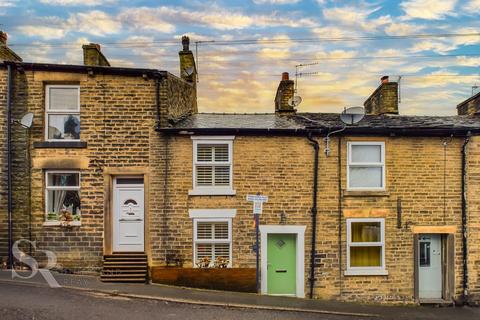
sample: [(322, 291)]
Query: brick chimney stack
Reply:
[(188, 69), (285, 92), (93, 56), (470, 107), (384, 100), (7, 54)]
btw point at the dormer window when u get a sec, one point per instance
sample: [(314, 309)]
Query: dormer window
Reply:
[(62, 118)]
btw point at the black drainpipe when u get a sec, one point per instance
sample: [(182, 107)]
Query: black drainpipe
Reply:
[(464, 221), (9, 165), (313, 211)]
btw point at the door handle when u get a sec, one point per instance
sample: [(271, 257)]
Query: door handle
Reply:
[(281, 270), (130, 219)]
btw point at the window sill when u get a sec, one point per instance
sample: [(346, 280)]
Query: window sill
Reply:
[(366, 272), (366, 193), (58, 223), (212, 192), (59, 144)]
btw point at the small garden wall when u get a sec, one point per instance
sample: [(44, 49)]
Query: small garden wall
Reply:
[(229, 279)]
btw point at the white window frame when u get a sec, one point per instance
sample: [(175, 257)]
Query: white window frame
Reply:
[(366, 164), (47, 188), (196, 241), (212, 190), (354, 271), (59, 112)]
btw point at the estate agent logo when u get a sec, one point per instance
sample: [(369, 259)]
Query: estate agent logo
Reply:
[(33, 264)]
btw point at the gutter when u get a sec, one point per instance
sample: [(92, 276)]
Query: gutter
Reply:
[(313, 211), (9, 164), (464, 221)]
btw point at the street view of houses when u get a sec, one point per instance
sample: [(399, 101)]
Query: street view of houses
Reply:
[(262, 159)]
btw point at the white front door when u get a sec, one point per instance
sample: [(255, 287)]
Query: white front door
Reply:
[(430, 266), (128, 215)]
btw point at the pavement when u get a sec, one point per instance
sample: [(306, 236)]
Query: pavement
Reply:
[(239, 301)]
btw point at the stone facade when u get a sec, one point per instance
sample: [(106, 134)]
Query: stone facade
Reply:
[(281, 167), (384, 100), (118, 120)]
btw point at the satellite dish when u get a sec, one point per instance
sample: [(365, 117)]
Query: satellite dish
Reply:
[(295, 101), (27, 120), (352, 115), (188, 71)]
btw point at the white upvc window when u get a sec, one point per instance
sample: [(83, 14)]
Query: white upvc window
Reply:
[(366, 166), (62, 197), (366, 246), (62, 112), (212, 165), (212, 243)]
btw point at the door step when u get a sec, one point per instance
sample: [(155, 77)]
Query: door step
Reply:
[(436, 302), (129, 267)]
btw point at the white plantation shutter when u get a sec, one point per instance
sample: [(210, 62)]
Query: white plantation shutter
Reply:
[(212, 240), (212, 165)]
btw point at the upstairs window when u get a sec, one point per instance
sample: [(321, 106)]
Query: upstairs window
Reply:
[(212, 166), (62, 119), (366, 166)]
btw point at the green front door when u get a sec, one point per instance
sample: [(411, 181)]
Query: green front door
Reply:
[(281, 264)]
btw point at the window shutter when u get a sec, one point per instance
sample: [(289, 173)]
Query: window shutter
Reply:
[(221, 153), (204, 153), (222, 175), (204, 230), (222, 250), (221, 230), (204, 175), (204, 250)]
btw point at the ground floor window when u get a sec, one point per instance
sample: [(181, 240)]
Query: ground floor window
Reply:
[(62, 196), (212, 243), (366, 246)]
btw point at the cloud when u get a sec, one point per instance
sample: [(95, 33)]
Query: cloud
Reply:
[(473, 6), (8, 3), (428, 9), (47, 33), (275, 1), (94, 22), (164, 19), (403, 29), (89, 3), (355, 17)]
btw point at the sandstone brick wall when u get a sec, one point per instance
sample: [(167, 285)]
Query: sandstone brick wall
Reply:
[(281, 167), (383, 100), (118, 119), (473, 205), (3, 165)]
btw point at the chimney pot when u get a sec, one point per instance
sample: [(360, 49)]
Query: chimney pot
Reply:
[(285, 76), (186, 43), (384, 79)]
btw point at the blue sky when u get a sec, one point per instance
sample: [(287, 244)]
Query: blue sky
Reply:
[(437, 73)]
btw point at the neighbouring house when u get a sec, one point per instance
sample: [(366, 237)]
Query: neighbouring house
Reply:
[(388, 218), (87, 177), (120, 173)]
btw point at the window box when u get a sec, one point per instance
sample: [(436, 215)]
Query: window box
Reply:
[(212, 166), (62, 198), (366, 166), (62, 113), (366, 246)]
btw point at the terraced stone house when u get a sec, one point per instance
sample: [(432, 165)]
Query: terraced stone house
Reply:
[(119, 171)]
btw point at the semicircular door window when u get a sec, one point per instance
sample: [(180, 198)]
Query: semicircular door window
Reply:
[(130, 201)]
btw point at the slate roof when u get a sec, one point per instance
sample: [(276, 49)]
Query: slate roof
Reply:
[(302, 122)]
